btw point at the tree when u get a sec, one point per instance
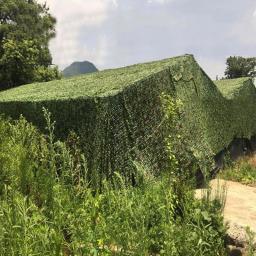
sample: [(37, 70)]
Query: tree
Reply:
[(238, 66), (26, 28)]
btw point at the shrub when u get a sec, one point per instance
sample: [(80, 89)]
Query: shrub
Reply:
[(49, 206), (244, 170)]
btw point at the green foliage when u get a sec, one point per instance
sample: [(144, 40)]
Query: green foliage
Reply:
[(178, 142), (238, 66), (243, 171), (18, 61), (48, 205), (34, 20), (19, 64), (24, 52), (251, 249), (45, 74)]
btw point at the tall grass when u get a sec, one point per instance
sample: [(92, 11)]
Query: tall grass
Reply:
[(49, 206), (243, 170)]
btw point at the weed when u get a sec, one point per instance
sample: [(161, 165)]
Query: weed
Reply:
[(49, 206), (244, 171), (251, 246)]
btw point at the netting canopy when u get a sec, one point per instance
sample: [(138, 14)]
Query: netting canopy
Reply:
[(118, 113)]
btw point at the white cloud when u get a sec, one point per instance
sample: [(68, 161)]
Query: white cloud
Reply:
[(74, 18), (84, 12), (244, 30), (159, 1), (115, 3), (75, 51), (212, 67), (114, 33)]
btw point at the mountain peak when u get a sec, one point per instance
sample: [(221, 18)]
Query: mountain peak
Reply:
[(78, 68)]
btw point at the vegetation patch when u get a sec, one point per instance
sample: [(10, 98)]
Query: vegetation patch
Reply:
[(48, 205), (243, 170)]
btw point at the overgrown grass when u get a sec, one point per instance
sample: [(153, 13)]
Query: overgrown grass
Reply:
[(50, 205), (243, 170)]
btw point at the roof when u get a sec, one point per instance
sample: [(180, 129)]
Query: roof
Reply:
[(230, 87), (98, 84)]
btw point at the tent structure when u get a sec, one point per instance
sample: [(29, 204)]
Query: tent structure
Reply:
[(118, 113)]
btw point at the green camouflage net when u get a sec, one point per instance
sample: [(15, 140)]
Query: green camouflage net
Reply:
[(119, 118)]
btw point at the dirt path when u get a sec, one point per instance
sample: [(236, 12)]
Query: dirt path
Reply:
[(240, 207)]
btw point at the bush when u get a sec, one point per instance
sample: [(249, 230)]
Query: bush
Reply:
[(244, 170), (50, 205), (20, 64)]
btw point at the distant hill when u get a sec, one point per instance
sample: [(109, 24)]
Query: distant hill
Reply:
[(78, 68)]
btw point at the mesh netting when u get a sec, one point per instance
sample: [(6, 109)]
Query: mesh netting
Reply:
[(125, 125)]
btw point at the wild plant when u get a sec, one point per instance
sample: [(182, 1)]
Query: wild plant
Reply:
[(49, 206)]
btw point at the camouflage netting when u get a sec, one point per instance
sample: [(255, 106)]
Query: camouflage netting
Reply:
[(118, 113)]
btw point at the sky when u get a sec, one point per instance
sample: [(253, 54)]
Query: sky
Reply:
[(115, 33)]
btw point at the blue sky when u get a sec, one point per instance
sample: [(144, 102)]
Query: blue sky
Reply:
[(114, 33)]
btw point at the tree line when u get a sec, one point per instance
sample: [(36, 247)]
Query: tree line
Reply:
[(26, 28), (237, 66)]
